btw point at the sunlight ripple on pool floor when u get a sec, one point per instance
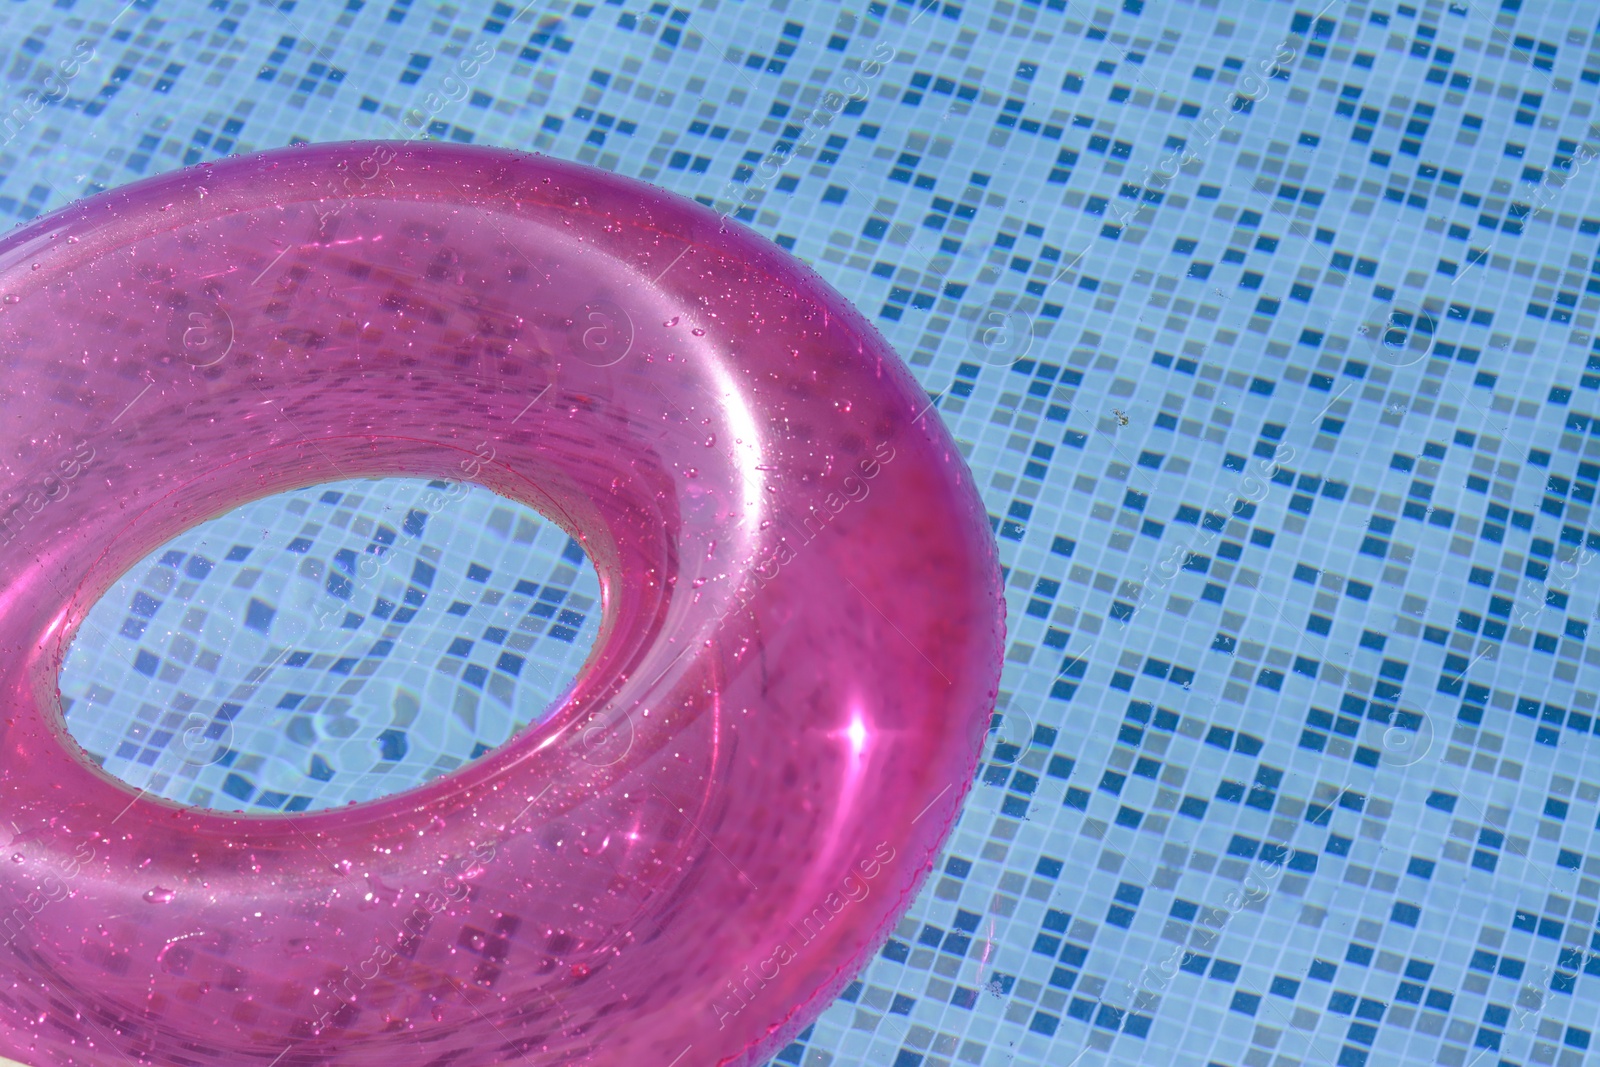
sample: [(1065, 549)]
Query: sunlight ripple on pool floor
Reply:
[(335, 644)]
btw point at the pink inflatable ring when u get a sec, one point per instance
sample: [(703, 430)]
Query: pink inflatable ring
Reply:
[(690, 856)]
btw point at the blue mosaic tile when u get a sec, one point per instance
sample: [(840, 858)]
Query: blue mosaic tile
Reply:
[(259, 647), (1268, 331)]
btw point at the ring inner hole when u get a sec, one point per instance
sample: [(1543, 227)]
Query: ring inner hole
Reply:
[(330, 645)]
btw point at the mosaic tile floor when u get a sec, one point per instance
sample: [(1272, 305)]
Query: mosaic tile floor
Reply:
[(281, 656), (1269, 333)]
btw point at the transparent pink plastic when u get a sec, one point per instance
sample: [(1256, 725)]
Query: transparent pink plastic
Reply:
[(751, 775)]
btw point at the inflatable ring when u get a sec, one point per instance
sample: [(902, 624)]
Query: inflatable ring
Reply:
[(752, 773)]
